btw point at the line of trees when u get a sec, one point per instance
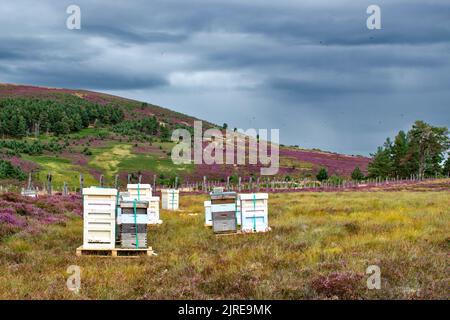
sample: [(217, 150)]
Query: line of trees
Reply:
[(421, 152), (8, 171), (20, 117)]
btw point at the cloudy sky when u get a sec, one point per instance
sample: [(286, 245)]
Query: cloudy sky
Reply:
[(308, 67)]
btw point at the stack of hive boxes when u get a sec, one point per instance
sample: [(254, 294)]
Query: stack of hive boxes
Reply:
[(143, 192), (208, 215), (223, 211), (170, 199), (99, 214), (254, 212), (133, 224)]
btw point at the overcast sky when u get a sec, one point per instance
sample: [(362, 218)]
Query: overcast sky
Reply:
[(308, 67)]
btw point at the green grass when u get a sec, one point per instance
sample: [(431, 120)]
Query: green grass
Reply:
[(62, 170), (314, 235), (119, 157)]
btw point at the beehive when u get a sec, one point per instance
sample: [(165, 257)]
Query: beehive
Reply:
[(143, 192), (140, 191), (208, 217), (99, 215), (254, 212), (132, 223), (223, 212), (170, 199), (153, 211)]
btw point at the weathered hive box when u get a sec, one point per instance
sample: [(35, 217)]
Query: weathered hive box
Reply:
[(139, 191), (99, 214), (170, 199), (132, 221), (208, 216), (223, 212), (254, 212), (126, 212)]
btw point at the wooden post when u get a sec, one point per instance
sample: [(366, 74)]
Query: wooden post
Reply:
[(129, 178), (116, 181), (49, 183), (102, 180), (29, 181), (204, 185), (154, 182), (65, 191), (250, 183), (239, 184), (81, 182), (228, 183), (257, 184), (176, 182), (140, 179)]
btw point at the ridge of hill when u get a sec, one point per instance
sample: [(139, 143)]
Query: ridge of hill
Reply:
[(135, 141)]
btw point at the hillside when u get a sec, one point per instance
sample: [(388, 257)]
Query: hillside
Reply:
[(67, 132)]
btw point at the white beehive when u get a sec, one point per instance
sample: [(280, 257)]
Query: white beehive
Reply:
[(99, 215), (143, 192), (140, 191), (208, 216), (170, 199), (153, 211), (254, 212)]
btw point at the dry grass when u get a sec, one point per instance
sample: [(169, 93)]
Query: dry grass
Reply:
[(320, 247)]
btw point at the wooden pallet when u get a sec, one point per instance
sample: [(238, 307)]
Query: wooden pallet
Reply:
[(228, 233), (117, 252), (240, 232)]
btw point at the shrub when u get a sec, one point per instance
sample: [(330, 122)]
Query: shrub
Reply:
[(8, 171), (322, 175)]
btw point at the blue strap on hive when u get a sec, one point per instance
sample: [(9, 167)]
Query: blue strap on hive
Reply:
[(135, 223), (254, 215)]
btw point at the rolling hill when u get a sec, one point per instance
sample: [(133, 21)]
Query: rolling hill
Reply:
[(67, 132)]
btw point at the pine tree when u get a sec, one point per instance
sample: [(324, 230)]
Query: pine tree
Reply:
[(357, 174), (322, 175), (400, 156), (446, 169), (382, 164), (429, 143)]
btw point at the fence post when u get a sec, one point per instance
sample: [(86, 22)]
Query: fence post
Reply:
[(49, 183), (81, 183), (29, 181), (102, 178), (239, 184), (204, 185), (65, 191), (116, 181)]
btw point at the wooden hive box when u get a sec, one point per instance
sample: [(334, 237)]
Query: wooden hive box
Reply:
[(170, 199), (99, 217), (140, 191), (254, 212)]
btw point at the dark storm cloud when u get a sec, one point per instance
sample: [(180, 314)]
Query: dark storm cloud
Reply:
[(133, 36), (310, 68)]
